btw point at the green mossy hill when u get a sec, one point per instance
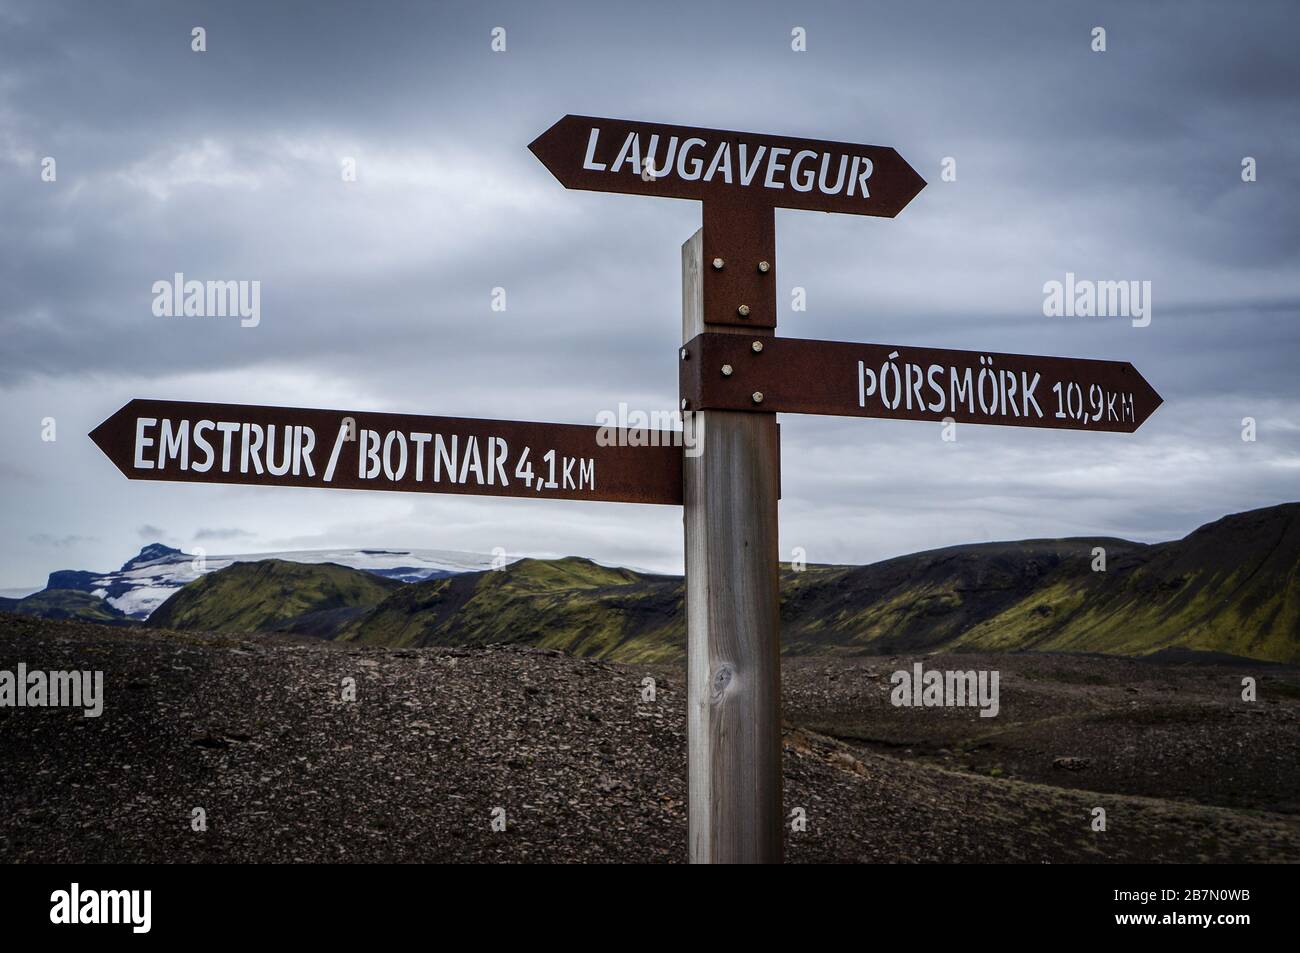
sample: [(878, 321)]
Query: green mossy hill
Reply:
[(926, 601), (274, 595), (570, 604), (1231, 587), (66, 604)]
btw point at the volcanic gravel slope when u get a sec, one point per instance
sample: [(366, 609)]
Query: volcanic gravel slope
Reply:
[(254, 731)]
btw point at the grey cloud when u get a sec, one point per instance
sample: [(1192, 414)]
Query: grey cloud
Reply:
[(222, 533), (225, 165), (60, 542)]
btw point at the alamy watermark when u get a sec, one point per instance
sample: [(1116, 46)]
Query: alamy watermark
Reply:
[(74, 906), (179, 298), (655, 428), (24, 689), (1084, 298), (939, 689)]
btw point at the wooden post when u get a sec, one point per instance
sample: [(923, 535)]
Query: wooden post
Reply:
[(732, 616)]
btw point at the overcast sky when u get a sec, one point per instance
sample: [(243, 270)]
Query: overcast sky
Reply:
[(1116, 165)]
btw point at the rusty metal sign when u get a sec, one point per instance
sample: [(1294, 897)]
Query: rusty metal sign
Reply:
[(740, 178), (361, 450), (789, 375), (683, 162)]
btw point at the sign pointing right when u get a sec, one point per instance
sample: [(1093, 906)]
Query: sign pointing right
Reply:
[(789, 375)]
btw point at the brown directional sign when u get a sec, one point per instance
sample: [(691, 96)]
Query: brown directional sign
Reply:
[(740, 179), (788, 375), (735, 168), (362, 450)]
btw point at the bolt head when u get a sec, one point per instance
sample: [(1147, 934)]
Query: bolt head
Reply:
[(743, 310), (726, 370), (764, 266), (717, 264), (757, 346), (686, 355), (685, 403), (758, 396)]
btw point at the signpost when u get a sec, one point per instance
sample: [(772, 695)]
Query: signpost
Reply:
[(740, 178), (729, 287), (735, 376), (787, 375), (741, 169), (361, 450)]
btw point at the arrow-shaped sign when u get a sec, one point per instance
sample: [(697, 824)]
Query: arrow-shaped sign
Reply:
[(730, 168), (360, 450), (789, 375)]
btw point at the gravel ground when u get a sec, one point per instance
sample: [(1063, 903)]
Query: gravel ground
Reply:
[(256, 732)]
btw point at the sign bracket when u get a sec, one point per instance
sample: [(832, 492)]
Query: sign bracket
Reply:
[(739, 264)]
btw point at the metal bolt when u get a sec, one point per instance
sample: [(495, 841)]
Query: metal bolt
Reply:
[(726, 370), (686, 355), (758, 396), (717, 264), (743, 310), (685, 403), (764, 266), (757, 346)]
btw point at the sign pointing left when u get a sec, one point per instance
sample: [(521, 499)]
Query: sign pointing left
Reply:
[(360, 450), (739, 179), (727, 168)]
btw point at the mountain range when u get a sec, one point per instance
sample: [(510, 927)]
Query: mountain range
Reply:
[(1231, 587), (148, 578)]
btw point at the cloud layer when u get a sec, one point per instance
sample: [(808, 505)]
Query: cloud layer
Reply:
[(376, 293)]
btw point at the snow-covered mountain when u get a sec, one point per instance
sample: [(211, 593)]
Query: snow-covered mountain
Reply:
[(146, 580)]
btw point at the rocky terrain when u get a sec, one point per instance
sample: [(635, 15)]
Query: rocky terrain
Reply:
[(254, 730)]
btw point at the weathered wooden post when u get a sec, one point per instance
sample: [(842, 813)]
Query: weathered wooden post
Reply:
[(730, 487), (732, 603)]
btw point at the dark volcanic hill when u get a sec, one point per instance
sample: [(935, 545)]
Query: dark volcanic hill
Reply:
[(1231, 587), (933, 599)]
